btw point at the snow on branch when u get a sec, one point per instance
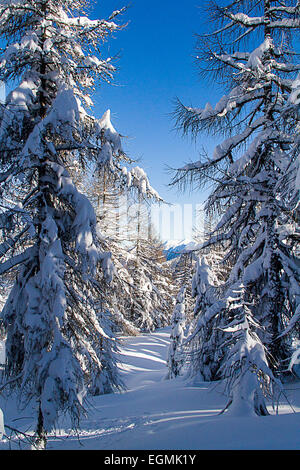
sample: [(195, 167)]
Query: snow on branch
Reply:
[(245, 20), (85, 220), (138, 179), (17, 260)]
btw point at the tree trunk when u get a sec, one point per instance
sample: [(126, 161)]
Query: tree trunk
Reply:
[(41, 435)]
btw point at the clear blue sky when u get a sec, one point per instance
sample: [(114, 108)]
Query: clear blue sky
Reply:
[(156, 65)]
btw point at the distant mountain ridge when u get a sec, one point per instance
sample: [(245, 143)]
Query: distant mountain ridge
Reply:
[(174, 248)]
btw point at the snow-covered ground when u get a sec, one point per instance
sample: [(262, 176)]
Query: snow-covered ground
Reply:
[(154, 413)]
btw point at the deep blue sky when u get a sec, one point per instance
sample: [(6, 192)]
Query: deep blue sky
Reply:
[(156, 65)]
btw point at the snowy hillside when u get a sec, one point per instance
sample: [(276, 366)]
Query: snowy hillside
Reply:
[(154, 413)]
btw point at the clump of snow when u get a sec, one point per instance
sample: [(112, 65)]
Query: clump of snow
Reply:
[(243, 397), (65, 109), (294, 365), (85, 220), (21, 97), (110, 133), (294, 97), (108, 266), (137, 178), (255, 60)]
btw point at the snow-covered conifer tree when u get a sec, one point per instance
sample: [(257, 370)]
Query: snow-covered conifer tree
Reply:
[(247, 165), (57, 346), (114, 200), (152, 291), (204, 339), (151, 299), (159, 273), (183, 267), (249, 378), (175, 355)]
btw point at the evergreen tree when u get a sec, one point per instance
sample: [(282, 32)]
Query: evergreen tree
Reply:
[(159, 273), (183, 268), (289, 185), (203, 351), (175, 356), (248, 376), (152, 292), (122, 222), (204, 354), (109, 194), (248, 165), (57, 340)]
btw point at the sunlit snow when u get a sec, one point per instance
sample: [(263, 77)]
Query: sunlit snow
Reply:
[(155, 413)]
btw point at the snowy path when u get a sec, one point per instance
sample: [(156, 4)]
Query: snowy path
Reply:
[(150, 409), (154, 413), (143, 359)]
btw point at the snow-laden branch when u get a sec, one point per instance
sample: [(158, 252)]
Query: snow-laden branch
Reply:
[(17, 260)]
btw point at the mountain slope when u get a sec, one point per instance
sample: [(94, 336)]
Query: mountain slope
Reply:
[(174, 248)]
